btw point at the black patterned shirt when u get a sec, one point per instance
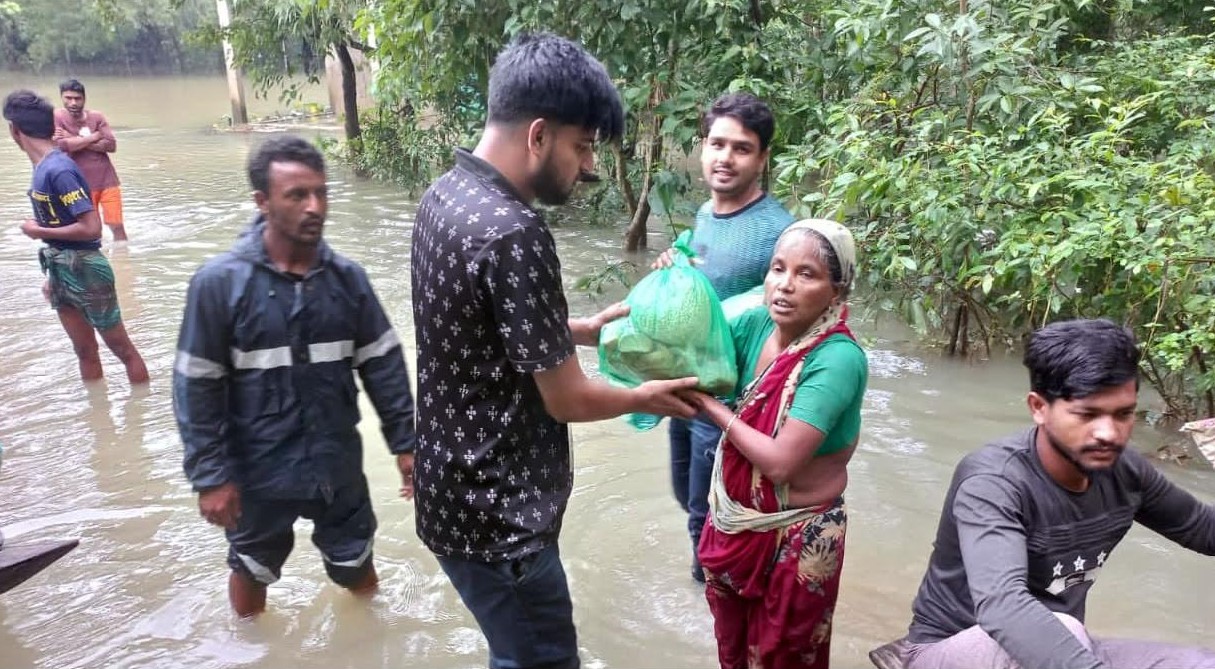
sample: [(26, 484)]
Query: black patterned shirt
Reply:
[(492, 472)]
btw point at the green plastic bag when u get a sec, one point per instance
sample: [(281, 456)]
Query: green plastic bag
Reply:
[(675, 328), (735, 307)]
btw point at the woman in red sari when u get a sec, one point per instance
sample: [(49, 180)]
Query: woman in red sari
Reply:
[(773, 545)]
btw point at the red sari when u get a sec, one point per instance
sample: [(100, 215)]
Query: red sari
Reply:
[(773, 593)]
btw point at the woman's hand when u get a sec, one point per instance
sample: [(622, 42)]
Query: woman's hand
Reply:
[(707, 404)]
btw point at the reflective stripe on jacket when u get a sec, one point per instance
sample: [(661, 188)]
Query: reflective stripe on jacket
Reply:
[(263, 385)]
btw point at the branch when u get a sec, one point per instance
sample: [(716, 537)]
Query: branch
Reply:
[(791, 15), (359, 45)]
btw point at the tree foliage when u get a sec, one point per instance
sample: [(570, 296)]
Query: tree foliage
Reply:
[(998, 181), (127, 36), (1003, 164)]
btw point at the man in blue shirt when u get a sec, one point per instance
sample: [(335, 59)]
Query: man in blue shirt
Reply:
[(735, 233), (80, 281)]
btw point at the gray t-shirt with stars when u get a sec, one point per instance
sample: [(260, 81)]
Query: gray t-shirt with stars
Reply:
[(1013, 546)]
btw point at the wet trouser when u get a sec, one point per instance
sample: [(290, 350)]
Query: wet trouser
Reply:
[(972, 648), (693, 449), (523, 608), (343, 529)]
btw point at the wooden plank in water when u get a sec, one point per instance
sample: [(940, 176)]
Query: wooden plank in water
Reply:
[(18, 562)]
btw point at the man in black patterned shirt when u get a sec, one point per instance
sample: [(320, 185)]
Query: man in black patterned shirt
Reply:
[(497, 375)]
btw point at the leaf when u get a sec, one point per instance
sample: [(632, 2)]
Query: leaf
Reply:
[(988, 280)]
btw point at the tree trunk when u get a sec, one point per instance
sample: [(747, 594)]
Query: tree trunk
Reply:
[(635, 237), (178, 52), (350, 99), (964, 336), (956, 330), (622, 180), (1202, 369)]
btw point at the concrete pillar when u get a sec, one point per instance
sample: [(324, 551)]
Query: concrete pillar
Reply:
[(362, 78), (236, 87)]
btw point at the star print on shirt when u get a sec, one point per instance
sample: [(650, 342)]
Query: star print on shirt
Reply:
[(484, 437), (1081, 572)]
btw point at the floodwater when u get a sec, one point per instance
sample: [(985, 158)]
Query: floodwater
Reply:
[(146, 587)]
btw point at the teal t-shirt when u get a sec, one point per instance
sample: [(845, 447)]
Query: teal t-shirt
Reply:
[(832, 383), (736, 248)]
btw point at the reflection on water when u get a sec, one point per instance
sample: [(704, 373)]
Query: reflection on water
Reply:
[(146, 587)]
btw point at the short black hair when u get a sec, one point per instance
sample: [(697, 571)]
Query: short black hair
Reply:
[(281, 149), (32, 114), (541, 75), (73, 85), (1074, 359), (754, 115)]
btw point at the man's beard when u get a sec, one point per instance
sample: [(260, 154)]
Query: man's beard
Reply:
[(548, 188), (1075, 461)]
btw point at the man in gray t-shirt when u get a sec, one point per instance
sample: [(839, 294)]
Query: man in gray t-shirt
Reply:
[(1030, 520)]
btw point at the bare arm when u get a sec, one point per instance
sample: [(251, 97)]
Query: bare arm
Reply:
[(86, 228), (585, 331), (829, 385), (106, 142), (69, 144), (102, 140), (779, 458), (570, 397)]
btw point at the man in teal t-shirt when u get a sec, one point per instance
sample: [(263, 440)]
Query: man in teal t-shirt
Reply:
[(733, 239)]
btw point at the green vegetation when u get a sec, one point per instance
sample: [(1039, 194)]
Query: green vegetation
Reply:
[(1002, 164), (107, 35)]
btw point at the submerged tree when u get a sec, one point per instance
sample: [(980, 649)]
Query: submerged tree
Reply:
[(277, 41)]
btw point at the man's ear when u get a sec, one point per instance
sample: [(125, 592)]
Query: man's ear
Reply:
[(539, 134), (1038, 407), (261, 200)]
